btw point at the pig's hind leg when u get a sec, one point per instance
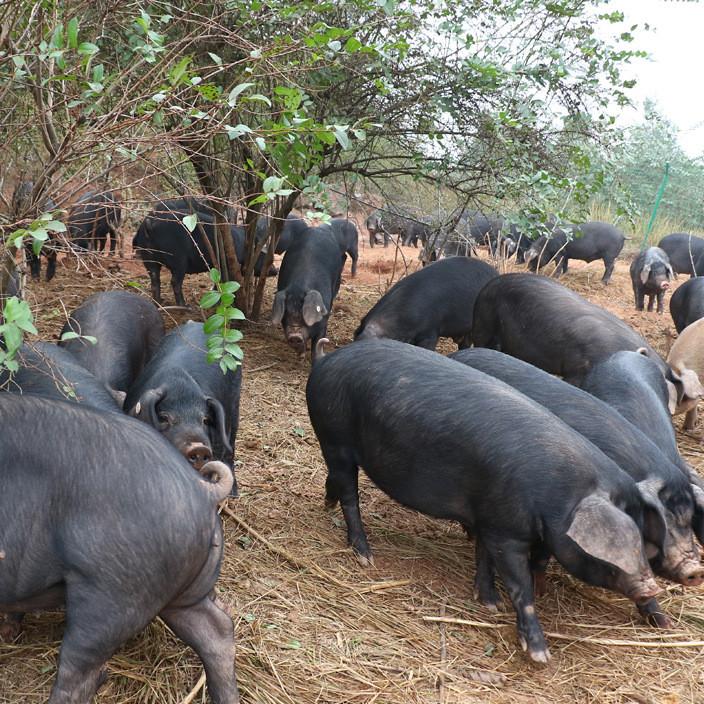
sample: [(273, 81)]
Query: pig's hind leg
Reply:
[(97, 624), (342, 485), (209, 631)]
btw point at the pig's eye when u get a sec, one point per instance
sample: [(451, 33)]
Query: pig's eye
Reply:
[(163, 418), (207, 420)]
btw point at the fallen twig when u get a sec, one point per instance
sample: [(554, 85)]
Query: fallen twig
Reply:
[(577, 639), (194, 692)]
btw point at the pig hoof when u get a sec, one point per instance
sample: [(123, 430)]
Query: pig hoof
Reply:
[(365, 561), (540, 656), (330, 503), (658, 619)]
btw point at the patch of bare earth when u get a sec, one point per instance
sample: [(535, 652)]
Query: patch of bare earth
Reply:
[(314, 626)]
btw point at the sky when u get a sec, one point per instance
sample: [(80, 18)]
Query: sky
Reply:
[(674, 74)]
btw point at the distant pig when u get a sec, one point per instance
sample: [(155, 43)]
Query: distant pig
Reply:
[(450, 442), (433, 302), (309, 280), (651, 273), (127, 531), (191, 402), (687, 303), (687, 356), (589, 241), (684, 251)]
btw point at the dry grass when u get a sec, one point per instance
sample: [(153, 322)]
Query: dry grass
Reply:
[(315, 627)]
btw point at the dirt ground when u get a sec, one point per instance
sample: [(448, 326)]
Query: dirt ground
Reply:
[(314, 626)]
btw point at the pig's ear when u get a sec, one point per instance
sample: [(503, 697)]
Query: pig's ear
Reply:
[(277, 310), (604, 532), (220, 426), (698, 520), (313, 308), (670, 271), (654, 511), (688, 388), (118, 395), (644, 274), (671, 397), (146, 406)]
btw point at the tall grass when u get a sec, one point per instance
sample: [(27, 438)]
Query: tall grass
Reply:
[(663, 225)]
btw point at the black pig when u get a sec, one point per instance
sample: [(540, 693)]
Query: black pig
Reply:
[(451, 448), (127, 531), (651, 274), (191, 402), (687, 303), (541, 322), (435, 301), (661, 483), (127, 329), (308, 283)]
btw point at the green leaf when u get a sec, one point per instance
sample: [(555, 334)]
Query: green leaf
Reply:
[(234, 350), (260, 98), (232, 97), (216, 59), (341, 136), (352, 45), (72, 33), (260, 142), (292, 645), (237, 131), (213, 324), (55, 226), (210, 299), (190, 222), (214, 276), (88, 49), (227, 299), (229, 286), (91, 339), (69, 335), (300, 432), (272, 183), (256, 53)]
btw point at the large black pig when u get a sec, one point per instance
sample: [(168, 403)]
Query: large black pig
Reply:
[(588, 242), (540, 321), (308, 283), (661, 483), (435, 301), (687, 303), (127, 531), (191, 402), (651, 273), (49, 371), (684, 251), (127, 329), (451, 447), (163, 240)]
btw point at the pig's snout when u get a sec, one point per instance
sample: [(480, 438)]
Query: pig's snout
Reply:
[(692, 575), (296, 340), (198, 454), (664, 285)]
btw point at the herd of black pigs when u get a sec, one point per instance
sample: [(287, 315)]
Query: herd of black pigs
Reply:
[(141, 429)]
